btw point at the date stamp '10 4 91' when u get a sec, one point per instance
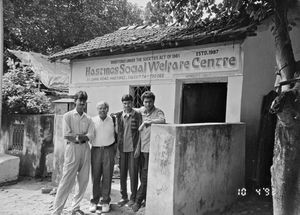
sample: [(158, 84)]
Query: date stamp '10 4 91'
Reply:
[(264, 191)]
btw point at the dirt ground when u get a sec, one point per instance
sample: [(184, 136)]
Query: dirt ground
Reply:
[(25, 198)]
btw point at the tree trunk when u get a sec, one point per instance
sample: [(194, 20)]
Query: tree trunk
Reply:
[(286, 161)]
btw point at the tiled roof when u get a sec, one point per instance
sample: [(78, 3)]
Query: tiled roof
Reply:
[(144, 38)]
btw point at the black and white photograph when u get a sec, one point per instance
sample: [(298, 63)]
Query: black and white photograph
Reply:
[(150, 107)]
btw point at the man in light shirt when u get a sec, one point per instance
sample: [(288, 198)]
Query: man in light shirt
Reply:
[(102, 157), (151, 115), (78, 129)]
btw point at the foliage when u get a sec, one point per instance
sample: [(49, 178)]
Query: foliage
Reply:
[(156, 13), (191, 12), (48, 26), (201, 12), (20, 93)]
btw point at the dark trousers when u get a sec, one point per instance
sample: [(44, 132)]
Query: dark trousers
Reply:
[(142, 191), (102, 164), (128, 164)]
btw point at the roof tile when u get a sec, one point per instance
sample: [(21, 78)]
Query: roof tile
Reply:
[(151, 37)]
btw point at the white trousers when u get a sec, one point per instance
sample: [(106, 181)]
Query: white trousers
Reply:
[(76, 166)]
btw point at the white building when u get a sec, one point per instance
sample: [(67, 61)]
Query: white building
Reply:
[(196, 75)]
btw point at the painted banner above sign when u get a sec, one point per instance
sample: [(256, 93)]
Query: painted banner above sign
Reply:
[(158, 65)]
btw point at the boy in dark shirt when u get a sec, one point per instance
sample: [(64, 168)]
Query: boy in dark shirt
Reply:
[(128, 122)]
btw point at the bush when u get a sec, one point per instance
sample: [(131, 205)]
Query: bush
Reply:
[(20, 93)]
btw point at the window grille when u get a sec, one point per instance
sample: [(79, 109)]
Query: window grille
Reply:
[(17, 137), (136, 92)]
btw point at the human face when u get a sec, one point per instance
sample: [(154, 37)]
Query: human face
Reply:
[(127, 106), (80, 105), (148, 103), (102, 111)]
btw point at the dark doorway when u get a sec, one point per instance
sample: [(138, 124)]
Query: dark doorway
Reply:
[(204, 102)]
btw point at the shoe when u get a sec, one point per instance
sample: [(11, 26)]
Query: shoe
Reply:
[(122, 202), (77, 212), (93, 208), (100, 203), (130, 203), (105, 208), (135, 207)]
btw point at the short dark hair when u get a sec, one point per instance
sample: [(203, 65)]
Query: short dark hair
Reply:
[(127, 97), (81, 95), (148, 95)]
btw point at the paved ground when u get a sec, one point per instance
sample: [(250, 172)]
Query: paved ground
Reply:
[(251, 205), (26, 198)]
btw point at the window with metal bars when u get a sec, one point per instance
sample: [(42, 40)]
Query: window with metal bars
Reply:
[(17, 137), (136, 92)]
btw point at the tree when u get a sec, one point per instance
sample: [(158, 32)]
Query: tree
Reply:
[(48, 26), (286, 161), (20, 92), (154, 13)]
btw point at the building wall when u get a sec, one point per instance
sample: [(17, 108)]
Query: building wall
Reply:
[(165, 99), (165, 96), (258, 80), (200, 168), (35, 141), (234, 96), (247, 84), (111, 94), (9, 168), (167, 89), (59, 149)]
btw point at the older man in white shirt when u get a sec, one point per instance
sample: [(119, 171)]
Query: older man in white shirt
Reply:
[(102, 157)]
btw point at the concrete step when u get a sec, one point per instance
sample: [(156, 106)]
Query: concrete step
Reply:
[(9, 168)]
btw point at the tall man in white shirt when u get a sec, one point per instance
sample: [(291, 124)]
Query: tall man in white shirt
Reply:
[(78, 129), (102, 157)]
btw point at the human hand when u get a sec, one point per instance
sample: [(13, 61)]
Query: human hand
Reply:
[(82, 138), (147, 122), (136, 153), (141, 126)]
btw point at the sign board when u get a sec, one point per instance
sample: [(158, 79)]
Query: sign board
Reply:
[(158, 65)]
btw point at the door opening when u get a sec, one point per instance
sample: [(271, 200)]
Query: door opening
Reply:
[(204, 102)]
